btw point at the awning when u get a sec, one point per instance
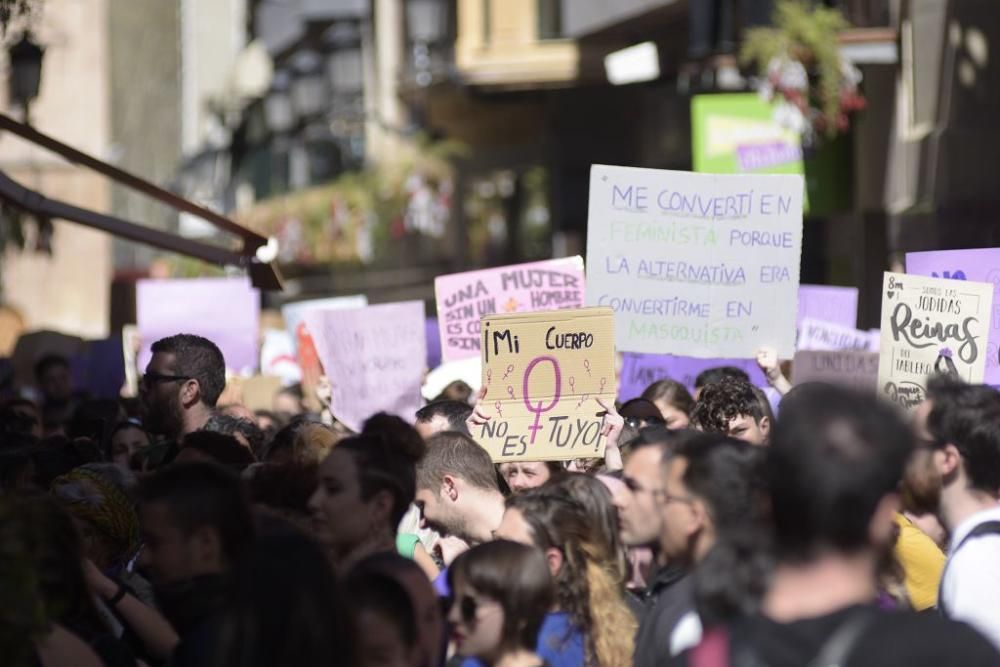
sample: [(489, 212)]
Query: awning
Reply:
[(263, 274)]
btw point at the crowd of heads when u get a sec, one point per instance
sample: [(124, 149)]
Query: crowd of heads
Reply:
[(175, 530)]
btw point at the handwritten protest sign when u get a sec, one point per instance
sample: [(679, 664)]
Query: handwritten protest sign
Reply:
[(641, 370), (931, 325), (828, 304), (543, 373), (697, 265), (851, 368), (374, 358), (463, 298), (818, 335), (982, 265), (224, 310), (293, 312)]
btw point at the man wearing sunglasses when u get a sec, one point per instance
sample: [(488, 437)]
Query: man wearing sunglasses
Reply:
[(182, 384)]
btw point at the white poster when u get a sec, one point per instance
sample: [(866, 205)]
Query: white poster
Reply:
[(699, 265), (820, 336), (929, 326)]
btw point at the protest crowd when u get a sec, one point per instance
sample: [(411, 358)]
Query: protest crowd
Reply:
[(178, 530), (688, 463)]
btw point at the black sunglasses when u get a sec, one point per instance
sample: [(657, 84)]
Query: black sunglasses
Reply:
[(468, 607), (149, 379), (636, 422)]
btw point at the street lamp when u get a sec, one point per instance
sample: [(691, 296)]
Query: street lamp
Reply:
[(427, 20), (427, 25), (25, 72)]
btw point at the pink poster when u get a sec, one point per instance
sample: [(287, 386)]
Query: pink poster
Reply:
[(374, 358), (463, 298)]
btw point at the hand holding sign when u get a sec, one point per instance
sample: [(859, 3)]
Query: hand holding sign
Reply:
[(541, 414)]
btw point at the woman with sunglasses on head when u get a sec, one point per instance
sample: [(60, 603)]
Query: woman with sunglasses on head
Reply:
[(591, 624), (502, 594)]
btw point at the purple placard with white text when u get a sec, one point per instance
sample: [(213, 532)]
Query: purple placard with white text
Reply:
[(641, 370), (838, 305), (978, 265), (374, 358), (224, 310), (463, 298)]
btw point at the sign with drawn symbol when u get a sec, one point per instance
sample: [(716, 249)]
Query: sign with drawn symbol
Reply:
[(543, 373)]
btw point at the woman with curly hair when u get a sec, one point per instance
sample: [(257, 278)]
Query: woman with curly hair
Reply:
[(592, 625)]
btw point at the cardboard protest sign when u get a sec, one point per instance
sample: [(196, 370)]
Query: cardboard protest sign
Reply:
[(259, 392), (464, 298), (838, 305), (374, 358), (543, 373), (819, 335), (224, 310), (641, 370), (931, 325), (982, 265), (852, 368), (698, 265)]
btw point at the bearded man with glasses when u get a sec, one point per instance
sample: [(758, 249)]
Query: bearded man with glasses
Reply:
[(182, 385)]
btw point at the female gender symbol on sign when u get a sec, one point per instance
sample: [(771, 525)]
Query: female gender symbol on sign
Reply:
[(538, 410)]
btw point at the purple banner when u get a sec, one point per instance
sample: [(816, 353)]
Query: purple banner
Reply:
[(374, 358), (224, 310), (979, 265), (433, 335), (641, 370), (838, 305)]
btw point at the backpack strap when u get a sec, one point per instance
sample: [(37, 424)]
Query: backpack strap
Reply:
[(842, 642), (834, 652), (985, 528)]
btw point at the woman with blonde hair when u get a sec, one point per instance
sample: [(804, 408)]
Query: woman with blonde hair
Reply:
[(596, 623)]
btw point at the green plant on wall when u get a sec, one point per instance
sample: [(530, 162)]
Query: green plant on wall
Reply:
[(799, 62), (365, 218)]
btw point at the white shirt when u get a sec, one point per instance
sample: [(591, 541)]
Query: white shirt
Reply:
[(970, 587)]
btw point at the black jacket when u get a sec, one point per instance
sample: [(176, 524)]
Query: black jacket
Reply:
[(196, 609), (669, 596)]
